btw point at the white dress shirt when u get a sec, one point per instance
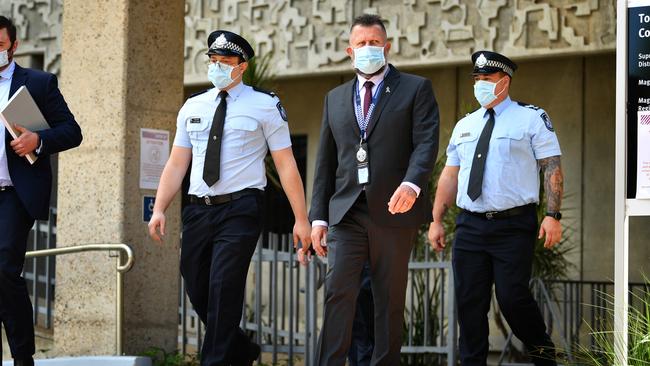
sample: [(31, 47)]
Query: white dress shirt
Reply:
[(5, 84), (376, 80), (254, 124)]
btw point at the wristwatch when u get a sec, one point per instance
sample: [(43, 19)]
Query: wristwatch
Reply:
[(556, 215)]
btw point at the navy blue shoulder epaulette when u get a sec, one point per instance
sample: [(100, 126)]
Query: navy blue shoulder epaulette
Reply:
[(531, 106), (468, 113), (267, 92), (198, 93)]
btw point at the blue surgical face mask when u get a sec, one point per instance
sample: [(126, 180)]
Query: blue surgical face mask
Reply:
[(369, 59), (219, 74), (484, 91), (4, 58)]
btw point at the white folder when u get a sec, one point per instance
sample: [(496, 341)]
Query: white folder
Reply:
[(22, 110)]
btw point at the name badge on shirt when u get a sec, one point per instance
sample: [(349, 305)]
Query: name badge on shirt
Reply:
[(363, 166), (195, 119)]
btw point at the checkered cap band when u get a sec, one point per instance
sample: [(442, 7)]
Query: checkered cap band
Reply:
[(498, 64), (228, 46)]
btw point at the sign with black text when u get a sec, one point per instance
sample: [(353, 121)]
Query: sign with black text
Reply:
[(638, 94)]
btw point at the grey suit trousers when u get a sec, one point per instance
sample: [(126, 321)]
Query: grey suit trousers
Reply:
[(352, 242)]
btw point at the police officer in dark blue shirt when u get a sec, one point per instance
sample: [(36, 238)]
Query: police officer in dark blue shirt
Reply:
[(492, 171)]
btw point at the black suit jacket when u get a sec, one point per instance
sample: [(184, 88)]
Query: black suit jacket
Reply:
[(402, 144), (33, 183)]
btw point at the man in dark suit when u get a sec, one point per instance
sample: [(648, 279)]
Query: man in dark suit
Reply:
[(25, 188), (379, 142)]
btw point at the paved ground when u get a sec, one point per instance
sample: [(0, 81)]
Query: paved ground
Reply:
[(43, 345)]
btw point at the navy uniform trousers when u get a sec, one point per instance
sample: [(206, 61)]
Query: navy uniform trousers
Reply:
[(217, 246), (15, 306), (499, 252)]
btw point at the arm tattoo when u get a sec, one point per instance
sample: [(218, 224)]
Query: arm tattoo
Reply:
[(553, 182)]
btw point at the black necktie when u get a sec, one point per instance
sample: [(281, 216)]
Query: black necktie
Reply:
[(480, 155), (212, 164)]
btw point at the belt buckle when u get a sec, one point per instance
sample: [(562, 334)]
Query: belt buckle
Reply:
[(490, 214), (207, 200)]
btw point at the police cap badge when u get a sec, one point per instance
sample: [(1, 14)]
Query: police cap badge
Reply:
[(488, 62), (225, 43)]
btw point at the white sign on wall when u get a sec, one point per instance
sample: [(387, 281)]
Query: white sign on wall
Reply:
[(154, 152), (643, 156)]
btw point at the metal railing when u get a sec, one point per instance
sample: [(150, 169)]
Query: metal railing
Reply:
[(284, 308), (121, 269), (575, 310), (272, 313), (39, 273), (587, 307), (552, 317)]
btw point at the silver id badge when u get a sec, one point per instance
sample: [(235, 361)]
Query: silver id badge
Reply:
[(363, 166)]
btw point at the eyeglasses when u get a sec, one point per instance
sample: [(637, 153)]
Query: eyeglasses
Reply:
[(222, 65)]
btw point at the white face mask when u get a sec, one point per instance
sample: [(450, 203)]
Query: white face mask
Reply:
[(4, 58), (369, 59), (219, 74), (484, 91)]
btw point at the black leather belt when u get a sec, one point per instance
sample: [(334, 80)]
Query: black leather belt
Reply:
[(223, 198), (492, 215), (6, 188)]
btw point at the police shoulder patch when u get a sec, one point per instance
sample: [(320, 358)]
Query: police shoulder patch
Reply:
[(547, 121), (198, 93), (267, 92), (531, 106), (283, 112)]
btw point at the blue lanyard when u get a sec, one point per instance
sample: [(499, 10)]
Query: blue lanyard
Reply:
[(361, 120)]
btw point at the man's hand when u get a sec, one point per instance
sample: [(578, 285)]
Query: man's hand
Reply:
[(402, 200), (26, 142), (302, 258), (437, 236), (157, 221), (319, 240), (552, 228), (302, 233)]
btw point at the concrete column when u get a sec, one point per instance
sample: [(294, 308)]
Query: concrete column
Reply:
[(122, 70)]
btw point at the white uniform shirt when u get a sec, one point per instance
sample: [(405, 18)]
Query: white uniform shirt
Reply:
[(5, 86), (522, 135), (254, 123)]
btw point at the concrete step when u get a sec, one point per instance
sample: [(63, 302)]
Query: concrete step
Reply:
[(91, 361)]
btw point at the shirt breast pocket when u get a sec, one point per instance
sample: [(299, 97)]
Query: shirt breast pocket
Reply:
[(507, 143), (198, 132), (239, 133), (466, 145)]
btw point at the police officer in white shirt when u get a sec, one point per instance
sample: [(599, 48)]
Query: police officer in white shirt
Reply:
[(492, 171), (225, 132)]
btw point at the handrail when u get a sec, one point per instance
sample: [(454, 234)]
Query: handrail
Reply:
[(121, 269)]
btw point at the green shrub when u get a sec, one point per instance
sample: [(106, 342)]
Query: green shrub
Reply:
[(602, 352), (160, 357)]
